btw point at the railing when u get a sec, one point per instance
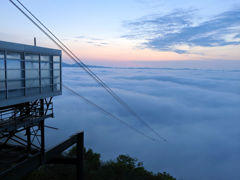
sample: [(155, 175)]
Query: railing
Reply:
[(53, 156), (24, 115)]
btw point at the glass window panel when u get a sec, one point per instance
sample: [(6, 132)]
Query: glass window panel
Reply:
[(33, 57), (46, 82), (56, 58), (2, 85), (2, 64), (12, 55), (56, 73), (32, 73), (32, 65), (32, 91), (32, 83), (14, 64), (1, 55), (2, 70), (47, 88), (15, 93), (15, 84), (2, 74), (45, 65), (46, 73), (2, 94), (14, 74), (56, 87), (45, 58), (56, 80), (56, 76), (56, 65)]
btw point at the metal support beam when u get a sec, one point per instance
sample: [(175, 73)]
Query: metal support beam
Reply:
[(80, 154), (42, 130), (63, 160), (51, 156), (28, 133)]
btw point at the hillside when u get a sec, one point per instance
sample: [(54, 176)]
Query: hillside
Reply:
[(123, 167)]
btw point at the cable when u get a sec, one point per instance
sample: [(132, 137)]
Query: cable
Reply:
[(108, 113), (82, 65)]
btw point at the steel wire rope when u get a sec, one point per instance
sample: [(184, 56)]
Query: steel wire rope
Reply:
[(108, 113), (81, 64)]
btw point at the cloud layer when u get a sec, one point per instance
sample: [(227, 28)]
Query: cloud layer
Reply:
[(180, 30), (196, 110)]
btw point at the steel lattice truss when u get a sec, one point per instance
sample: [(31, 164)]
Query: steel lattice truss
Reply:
[(22, 130)]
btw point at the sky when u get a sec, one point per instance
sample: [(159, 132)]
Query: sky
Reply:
[(132, 30), (196, 110)]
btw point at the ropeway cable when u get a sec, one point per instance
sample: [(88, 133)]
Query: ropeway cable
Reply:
[(81, 64), (97, 79), (108, 113), (94, 76)]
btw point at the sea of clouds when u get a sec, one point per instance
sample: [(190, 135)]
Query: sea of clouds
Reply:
[(196, 110)]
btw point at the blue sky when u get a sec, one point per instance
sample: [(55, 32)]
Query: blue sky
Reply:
[(132, 30)]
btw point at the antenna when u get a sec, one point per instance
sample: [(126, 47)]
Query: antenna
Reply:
[(35, 41)]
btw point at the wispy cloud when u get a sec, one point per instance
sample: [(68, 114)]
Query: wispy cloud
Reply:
[(180, 28), (92, 40), (88, 37)]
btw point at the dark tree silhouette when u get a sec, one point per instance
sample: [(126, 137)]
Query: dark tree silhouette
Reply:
[(123, 167)]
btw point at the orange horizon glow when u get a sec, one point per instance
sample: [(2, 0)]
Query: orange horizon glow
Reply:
[(124, 51)]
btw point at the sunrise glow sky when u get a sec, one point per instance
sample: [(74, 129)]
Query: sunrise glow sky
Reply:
[(132, 30)]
